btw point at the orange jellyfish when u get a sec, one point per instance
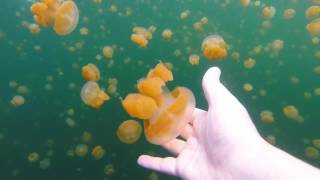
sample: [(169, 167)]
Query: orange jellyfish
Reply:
[(139, 39), (139, 106), (314, 27), (92, 95), (62, 15), (161, 71), (129, 131), (107, 51), (167, 34), (171, 117), (98, 152), (141, 36), (214, 48), (90, 72), (164, 113)]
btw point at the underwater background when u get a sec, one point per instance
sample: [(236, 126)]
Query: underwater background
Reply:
[(45, 69)]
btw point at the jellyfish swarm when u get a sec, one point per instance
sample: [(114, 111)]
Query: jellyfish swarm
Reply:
[(62, 15), (92, 95), (214, 48), (165, 114)]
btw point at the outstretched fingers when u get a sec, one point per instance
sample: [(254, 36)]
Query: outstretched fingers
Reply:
[(165, 165)]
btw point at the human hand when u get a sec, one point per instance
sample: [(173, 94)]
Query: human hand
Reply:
[(221, 143)]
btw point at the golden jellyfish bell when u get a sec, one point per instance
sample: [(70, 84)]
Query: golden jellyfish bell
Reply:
[(167, 34), (67, 17), (129, 131), (151, 86), (107, 51), (312, 12), (268, 12), (161, 71), (33, 157), (314, 27), (143, 31), (81, 150), (92, 95), (139, 39), (171, 117), (194, 59), (91, 72), (245, 3), (98, 152), (214, 47), (139, 106)]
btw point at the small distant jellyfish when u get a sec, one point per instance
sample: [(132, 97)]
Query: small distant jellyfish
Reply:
[(277, 45), (311, 152), (245, 3), (167, 34), (129, 131), (91, 72), (98, 152), (86, 137), (289, 13), (81, 150), (140, 40), (33, 157), (197, 26), (107, 51), (235, 56), (45, 163), (184, 14), (34, 28), (194, 59), (249, 63), (70, 122), (266, 117), (268, 12), (84, 31), (271, 139), (109, 169), (62, 15), (204, 20), (214, 48), (291, 112), (23, 89), (316, 143), (92, 95), (247, 87), (17, 101)]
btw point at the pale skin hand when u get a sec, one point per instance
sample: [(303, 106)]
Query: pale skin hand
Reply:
[(223, 143)]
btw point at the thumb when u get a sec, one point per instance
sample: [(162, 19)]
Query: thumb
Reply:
[(211, 84), (217, 95)]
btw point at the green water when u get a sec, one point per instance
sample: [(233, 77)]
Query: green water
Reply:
[(39, 125)]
